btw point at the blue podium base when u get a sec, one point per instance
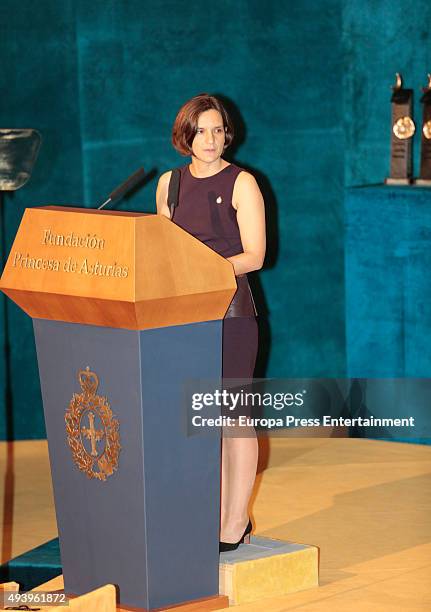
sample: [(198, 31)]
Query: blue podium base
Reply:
[(150, 523)]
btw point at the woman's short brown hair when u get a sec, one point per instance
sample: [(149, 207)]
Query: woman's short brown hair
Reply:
[(186, 122)]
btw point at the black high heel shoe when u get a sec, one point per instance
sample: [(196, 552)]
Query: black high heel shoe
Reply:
[(226, 546)]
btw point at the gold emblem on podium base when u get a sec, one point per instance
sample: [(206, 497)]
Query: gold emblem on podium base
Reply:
[(92, 432)]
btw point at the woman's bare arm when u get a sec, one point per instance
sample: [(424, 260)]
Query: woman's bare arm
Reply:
[(162, 194), (248, 201)]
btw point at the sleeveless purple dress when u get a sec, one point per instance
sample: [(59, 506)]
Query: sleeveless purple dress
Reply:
[(205, 210)]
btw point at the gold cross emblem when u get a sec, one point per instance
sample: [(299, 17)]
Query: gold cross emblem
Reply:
[(92, 434)]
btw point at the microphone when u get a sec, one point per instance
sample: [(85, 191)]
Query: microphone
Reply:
[(124, 188), (174, 191)]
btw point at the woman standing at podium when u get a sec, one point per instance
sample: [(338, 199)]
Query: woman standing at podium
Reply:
[(221, 204)]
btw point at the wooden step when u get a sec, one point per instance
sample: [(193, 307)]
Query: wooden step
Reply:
[(267, 568)]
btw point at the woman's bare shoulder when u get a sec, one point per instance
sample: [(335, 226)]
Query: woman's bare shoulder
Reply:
[(245, 189), (162, 193), (245, 178), (164, 178)]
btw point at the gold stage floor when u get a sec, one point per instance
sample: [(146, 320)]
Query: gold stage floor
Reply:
[(365, 503)]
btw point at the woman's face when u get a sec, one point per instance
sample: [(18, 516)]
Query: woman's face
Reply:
[(208, 143)]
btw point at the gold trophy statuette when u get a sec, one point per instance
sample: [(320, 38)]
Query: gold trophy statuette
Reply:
[(403, 129), (424, 179)]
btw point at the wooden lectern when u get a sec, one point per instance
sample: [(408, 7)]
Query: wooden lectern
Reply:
[(126, 307)]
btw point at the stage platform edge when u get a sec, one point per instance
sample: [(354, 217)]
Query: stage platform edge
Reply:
[(217, 602)]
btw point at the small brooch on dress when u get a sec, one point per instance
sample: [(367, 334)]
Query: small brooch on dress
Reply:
[(219, 200)]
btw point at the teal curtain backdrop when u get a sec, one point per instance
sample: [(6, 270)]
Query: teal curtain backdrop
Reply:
[(310, 82)]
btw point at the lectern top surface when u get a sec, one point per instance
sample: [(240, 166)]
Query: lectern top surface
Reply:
[(95, 211), (114, 268)]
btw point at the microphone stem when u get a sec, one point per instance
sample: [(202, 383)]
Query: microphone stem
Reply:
[(104, 204)]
